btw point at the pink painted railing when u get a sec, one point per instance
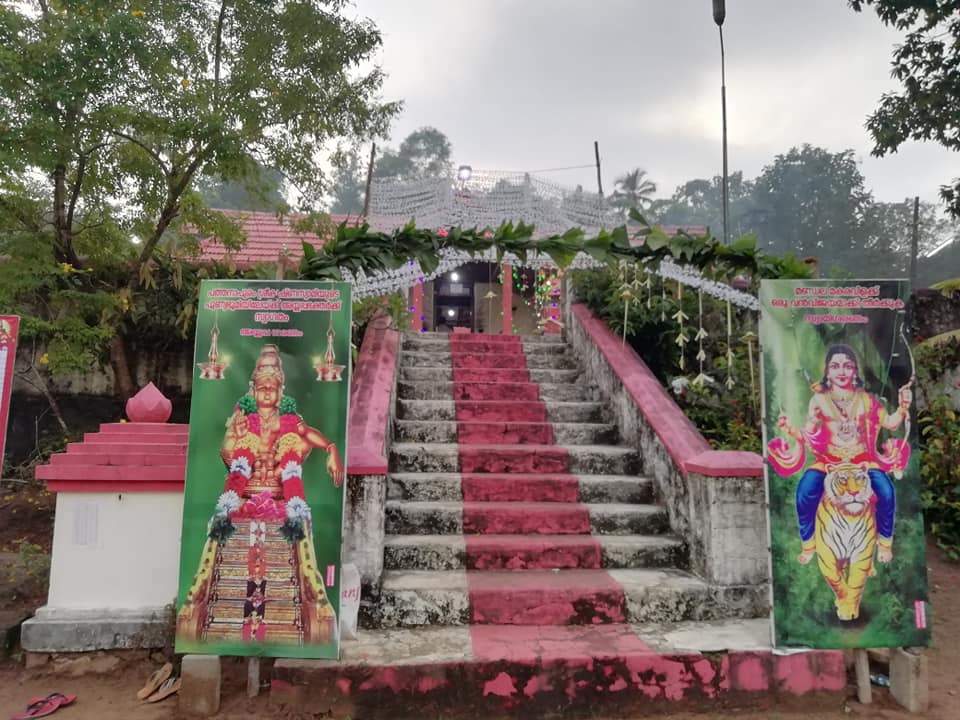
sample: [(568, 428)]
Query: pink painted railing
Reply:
[(686, 446)]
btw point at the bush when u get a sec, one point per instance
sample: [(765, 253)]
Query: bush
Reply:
[(940, 446)]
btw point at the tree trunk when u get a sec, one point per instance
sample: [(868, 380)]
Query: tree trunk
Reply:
[(52, 401), (124, 385)]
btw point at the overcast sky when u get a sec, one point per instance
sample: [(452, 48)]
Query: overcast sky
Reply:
[(530, 84)]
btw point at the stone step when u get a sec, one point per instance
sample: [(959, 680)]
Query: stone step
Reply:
[(485, 346), (535, 375), (482, 337), (517, 392), (445, 517), (493, 432), (550, 410), (491, 487), (534, 459), (545, 597), (556, 361), (581, 671), (525, 552)]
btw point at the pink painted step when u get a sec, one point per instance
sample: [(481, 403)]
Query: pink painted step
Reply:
[(492, 361), (496, 391), (496, 410), (534, 459), (519, 488), (487, 375), (132, 445), (131, 459), (142, 438), (136, 429), (481, 338), (543, 597), (531, 552), (511, 433), (478, 346), (507, 518)]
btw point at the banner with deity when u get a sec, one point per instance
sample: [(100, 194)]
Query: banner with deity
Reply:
[(9, 329), (263, 502), (842, 467)]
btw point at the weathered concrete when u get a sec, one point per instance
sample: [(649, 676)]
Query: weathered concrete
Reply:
[(200, 685), (578, 671), (719, 505), (429, 390), (363, 533), (550, 361), (108, 629), (536, 375), (407, 517), (446, 431), (516, 552), (581, 459), (556, 411), (422, 344), (909, 683)]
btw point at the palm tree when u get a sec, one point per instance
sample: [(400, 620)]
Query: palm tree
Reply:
[(633, 189)]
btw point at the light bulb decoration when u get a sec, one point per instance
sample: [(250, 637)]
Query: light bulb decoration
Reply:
[(326, 367), (216, 366)]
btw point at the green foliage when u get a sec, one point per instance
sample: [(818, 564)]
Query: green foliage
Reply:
[(247, 404), (631, 190), (925, 63), (423, 153), (288, 406), (727, 418), (940, 441), (393, 308), (357, 248)]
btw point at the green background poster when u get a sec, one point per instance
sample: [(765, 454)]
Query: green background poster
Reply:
[(842, 465), (262, 517)]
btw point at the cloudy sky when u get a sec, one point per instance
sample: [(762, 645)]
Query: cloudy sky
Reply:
[(530, 84)]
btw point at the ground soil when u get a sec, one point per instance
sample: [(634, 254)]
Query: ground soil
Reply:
[(106, 684)]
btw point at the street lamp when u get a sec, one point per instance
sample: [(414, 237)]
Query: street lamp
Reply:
[(719, 15)]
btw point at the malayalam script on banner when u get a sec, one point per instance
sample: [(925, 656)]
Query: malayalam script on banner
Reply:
[(842, 467), (263, 501)]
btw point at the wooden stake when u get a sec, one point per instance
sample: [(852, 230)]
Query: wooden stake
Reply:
[(253, 677), (366, 195), (861, 663), (596, 152)]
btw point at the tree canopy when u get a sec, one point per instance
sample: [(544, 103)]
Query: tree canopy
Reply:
[(423, 153), (928, 106)]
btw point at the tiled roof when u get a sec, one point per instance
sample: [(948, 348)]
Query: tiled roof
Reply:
[(267, 236)]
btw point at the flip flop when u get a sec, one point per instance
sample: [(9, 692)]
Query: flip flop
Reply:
[(41, 707), (155, 681), (171, 686)]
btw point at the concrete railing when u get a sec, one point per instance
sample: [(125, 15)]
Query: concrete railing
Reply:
[(716, 499)]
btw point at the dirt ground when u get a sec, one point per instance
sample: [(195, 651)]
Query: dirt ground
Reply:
[(106, 685)]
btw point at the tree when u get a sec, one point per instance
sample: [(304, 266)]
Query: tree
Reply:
[(814, 203), (928, 107), (632, 189), (700, 202), (349, 183), (121, 110), (262, 190), (423, 153)]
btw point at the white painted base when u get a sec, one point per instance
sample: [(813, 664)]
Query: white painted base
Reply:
[(117, 551)]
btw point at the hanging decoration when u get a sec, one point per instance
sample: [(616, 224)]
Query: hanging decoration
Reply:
[(326, 367), (701, 335), (729, 381), (216, 365), (750, 337), (680, 316)]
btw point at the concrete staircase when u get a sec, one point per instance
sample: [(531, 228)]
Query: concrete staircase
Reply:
[(510, 503), (529, 571)]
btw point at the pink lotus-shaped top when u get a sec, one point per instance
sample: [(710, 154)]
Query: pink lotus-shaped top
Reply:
[(149, 406)]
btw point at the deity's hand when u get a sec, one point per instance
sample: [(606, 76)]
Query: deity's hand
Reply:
[(335, 465), (905, 396), (239, 424), (784, 424)]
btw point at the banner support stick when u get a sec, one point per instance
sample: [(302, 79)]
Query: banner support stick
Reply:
[(253, 676), (861, 663)]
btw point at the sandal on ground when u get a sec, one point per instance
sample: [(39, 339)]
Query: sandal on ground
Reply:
[(41, 707), (155, 681), (170, 687)]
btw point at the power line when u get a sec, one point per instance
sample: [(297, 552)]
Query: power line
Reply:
[(572, 167)]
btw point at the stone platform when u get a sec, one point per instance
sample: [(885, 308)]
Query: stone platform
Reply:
[(614, 670)]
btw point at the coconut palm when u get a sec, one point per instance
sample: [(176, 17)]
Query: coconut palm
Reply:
[(632, 189)]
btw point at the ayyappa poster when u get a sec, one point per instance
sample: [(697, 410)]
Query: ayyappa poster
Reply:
[(263, 502), (9, 329), (843, 480)]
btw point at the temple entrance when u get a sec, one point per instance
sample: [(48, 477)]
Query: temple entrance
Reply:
[(470, 298)]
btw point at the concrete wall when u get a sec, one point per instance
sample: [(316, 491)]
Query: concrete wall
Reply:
[(716, 500), (115, 550)]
